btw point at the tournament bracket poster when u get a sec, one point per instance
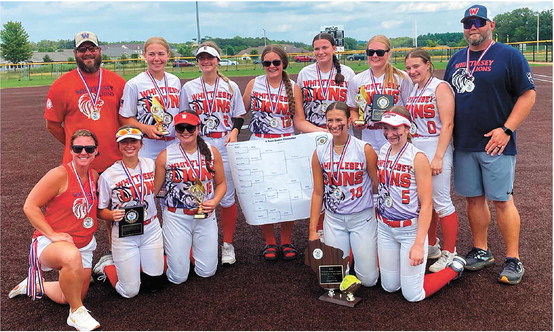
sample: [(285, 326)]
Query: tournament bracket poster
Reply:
[(273, 177)]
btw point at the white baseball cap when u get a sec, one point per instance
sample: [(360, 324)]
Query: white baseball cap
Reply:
[(85, 36), (208, 49)]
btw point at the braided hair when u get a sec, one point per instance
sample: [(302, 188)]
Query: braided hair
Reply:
[(285, 60), (339, 77)]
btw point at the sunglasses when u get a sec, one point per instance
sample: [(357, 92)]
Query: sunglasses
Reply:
[(84, 49), (79, 148), (380, 53), (181, 128), (276, 63), (477, 22), (127, 131)]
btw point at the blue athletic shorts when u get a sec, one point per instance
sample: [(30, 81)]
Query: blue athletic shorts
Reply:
[(477, 174)]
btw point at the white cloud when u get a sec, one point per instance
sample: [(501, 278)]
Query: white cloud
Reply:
[(391, 24)]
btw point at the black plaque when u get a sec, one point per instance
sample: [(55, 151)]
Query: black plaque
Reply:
[(132, 222), (380, 104), (330, 275)]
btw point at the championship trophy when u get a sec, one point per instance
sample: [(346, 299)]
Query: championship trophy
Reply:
[(361, 101), (198, 191), (132, 222), (158, 113), (330, 266), (381, 103)]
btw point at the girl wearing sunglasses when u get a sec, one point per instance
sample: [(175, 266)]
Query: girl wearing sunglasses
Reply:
[(321, 83), (192, 173), (349, 209), (128, 185), (404, 210), (64, 239), (273, 99), (219, 103), (151, 99), (431, 105), (382, 78)]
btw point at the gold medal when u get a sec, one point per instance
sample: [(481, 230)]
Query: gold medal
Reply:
[(88, 222)]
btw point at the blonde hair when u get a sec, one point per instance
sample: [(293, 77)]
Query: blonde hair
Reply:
[(223, 77), (285, 77), (156, 40), (390, 70)]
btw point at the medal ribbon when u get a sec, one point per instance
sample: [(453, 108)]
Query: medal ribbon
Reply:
[(375, 84), (140, 193), (90, 184), (210, 103), (341, 159), (93, 97), (268, 89), (165, 99), (190, 164), (411, 105), (470, 73), (323, 89), (388, 176)]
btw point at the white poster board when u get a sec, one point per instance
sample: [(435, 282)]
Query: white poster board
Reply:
[(273, 177)]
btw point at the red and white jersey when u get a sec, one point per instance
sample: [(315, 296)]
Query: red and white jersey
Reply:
[(347, 184), (422, 105), (397, 180), (118, 188), (141, 97), (399, 91), (270, 108), (216, 112), (181, 174), (319, 90)]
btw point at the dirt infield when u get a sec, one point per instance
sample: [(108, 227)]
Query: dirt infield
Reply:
[(258, 295)]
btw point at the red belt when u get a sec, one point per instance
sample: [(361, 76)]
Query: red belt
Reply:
[(374, 126), (271, 135), (217, 134), (146, 222), (190, 212), (168, 138), (395, 223)]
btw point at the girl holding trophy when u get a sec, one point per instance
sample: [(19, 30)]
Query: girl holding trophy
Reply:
[(404, 208), (431, 105), (151, 99), (376, 89), (345, 176), (273, 99), (126, 199), (219, 103), (192, 173), (321, 83)]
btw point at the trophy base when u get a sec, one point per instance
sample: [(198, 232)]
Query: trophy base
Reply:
[(340, 299), (200, 216), (359, 123)]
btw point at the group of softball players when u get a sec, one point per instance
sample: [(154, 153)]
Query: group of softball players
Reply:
[(376, 198)]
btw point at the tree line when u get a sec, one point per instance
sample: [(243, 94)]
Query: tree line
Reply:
[(518, 25)]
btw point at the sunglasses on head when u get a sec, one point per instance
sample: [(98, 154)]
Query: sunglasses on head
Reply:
[(84, 49), (180, 128), (126, 131), (370, 52), (79, 148), (267, 63), (477, 22)]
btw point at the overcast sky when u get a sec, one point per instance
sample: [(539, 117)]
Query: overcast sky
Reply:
[(282, 20)]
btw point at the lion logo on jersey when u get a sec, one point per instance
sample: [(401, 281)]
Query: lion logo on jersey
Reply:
[(87, 107), (332, 197), (80, 209), (461, 81), (125, 196), (260, 122), (179, 197)]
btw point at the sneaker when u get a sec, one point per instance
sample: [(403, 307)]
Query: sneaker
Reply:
[(478, 259), (444, 260), (20, 289), (227, 254), (512, 272), (457, 265), (82, 320), (103, 262), (434, 251)]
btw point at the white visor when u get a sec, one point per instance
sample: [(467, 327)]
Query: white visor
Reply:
[(395, 119), (208, 49)]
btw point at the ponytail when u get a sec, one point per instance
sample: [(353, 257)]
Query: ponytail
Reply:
[(339, 77), (206, 152)]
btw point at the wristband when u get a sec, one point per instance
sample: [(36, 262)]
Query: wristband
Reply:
[(237, 123), (507, 130)]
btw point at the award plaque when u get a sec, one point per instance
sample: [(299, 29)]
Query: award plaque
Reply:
[(330, 266), (361, 101), (198, 192), (132, 222), (380, 104)]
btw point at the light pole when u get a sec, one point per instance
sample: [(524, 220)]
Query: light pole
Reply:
[(197, 24), (265, 39), (538, 15)]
